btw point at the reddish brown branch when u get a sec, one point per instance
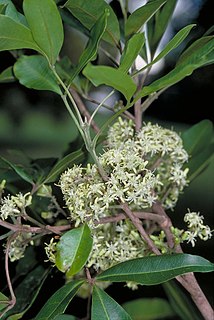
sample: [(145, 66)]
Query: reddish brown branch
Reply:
[(138, 224)]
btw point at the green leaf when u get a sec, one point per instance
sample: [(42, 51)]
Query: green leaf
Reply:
[(199, 162), (173, 43), (73, 249), (31, 285), (148, 309), (72, 158), (111, 77), (34, 72), (140, 16), (27, 263), (106, 308), (88, 12), (65, 317), (46, 25), (198, 137), (2, 8), (90, 51), (11, 12), (158, 23), (203, 55), (7, 75), (3, 304), (197, 51), (19, 170), (180, 302), (131, 51), (156, 269), (59, 301), (14, 35)]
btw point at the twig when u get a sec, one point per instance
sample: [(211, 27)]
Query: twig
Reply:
[(137, 223), (83, 110), (12, 301)]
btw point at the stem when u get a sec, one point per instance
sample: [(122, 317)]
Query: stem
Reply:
[(83, 110), (100, 105), (137, 223)]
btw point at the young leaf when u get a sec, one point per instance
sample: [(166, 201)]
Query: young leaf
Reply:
[(46, 25), (19, 170), (156, 269), (148, 309), (88, 12), (34, 72), (14, 35), (111, 77), (7, 75), (106, 308), (198, 137), (158, 23), (73, 249), (62, 164), (131, 51), (202, 54), (59, 301), (180, 302), (140, 16), (90, 51)]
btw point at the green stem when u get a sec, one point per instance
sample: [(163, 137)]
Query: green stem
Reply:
[(100, 105)]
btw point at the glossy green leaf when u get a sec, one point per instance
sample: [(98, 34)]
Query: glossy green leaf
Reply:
[(196, 138), (158, 23), (106, 308), (27, 291), (72, 158), (111, 77), (180, 302), (19, 170), (140, 16), (46, 25), (34, 72), (198, 50), (59, 301), (2, 299), (73, 249), (200, 162), (131, 51), (90, 52), (173, 43), (14, 35), (202, 55), (11, 12), (149, 309), (7, 75), (88, 12), (156, 269)]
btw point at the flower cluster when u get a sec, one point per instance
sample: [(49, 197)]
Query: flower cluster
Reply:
[(18, 246), (13, 206), (162, 149), (196, 228), (140, 168)]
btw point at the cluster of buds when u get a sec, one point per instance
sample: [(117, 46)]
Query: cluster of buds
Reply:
[(14, 206)]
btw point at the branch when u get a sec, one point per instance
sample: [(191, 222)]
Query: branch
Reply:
[(137, 223), (188, 281), (83, 110)]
